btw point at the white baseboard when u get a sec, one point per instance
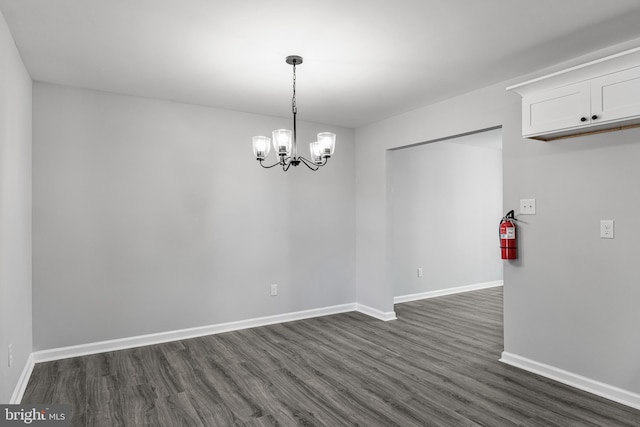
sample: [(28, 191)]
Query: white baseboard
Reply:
[(448, 291), (598, 388), (162, 337), (380, 315), (615, 394), (18, 392)]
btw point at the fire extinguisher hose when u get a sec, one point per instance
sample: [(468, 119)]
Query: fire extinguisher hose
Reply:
[(510, 216)]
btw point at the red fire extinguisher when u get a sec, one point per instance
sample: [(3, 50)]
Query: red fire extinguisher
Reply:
[(508, 241)]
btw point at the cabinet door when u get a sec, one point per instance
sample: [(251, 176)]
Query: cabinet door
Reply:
[(616, 96), (557, 109)]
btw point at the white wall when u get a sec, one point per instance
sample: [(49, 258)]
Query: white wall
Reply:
[(152, 216), (570, 301), (446, 201), (15, 213)]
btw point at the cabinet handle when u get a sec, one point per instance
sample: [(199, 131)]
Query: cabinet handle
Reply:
[(594, 117), (583, 119)]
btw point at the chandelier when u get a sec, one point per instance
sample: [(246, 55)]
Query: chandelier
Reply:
[(284, 140)]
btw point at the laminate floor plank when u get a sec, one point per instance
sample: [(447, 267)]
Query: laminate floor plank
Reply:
[(436, 365), (41, 384), (553, 400), (177, 410)]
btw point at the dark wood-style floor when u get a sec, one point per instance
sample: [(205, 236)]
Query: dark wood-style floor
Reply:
[(437, 365)]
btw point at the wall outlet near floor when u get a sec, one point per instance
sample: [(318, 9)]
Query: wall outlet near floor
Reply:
[(274, 290), (419, 271), (10, 355), (606, 229)]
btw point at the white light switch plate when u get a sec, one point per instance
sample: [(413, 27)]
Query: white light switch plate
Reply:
[(527, 206)]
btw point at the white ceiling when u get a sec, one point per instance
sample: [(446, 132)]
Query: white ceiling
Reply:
[(363, 59)]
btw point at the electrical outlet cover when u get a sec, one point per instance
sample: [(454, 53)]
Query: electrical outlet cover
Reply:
[(606, 229)]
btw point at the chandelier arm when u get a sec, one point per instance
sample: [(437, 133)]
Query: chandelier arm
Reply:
[(311, 165), (324, 161), (268, 167)]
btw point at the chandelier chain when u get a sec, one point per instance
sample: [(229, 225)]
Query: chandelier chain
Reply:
[(294, 107)]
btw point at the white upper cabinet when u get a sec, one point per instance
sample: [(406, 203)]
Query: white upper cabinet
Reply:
[(561, 108), (616, 96), (594, 97)]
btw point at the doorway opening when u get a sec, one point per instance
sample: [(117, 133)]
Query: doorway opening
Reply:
[(445, 203)]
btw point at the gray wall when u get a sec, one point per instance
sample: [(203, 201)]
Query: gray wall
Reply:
[(446, 201), (570, 302), (152, 216), (15, 213), (481, 109)]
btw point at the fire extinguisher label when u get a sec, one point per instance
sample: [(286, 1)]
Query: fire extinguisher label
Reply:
[(510, 233)]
